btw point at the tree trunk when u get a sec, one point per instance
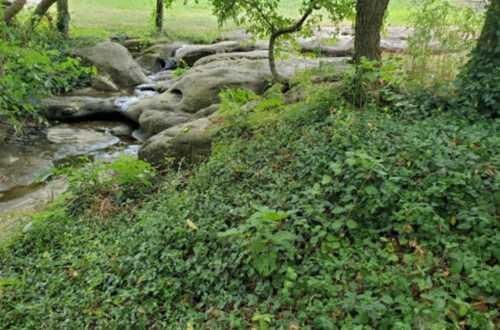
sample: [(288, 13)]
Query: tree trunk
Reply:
[(159, 13), (276, 34), (63, 17), (13, 10), (40, 11), (369, 20), (480, 80), (490, 36)]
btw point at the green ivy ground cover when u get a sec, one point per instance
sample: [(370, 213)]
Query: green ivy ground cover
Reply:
[(310, 216)]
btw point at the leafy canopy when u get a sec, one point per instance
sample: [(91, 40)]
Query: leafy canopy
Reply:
[(263, 17)]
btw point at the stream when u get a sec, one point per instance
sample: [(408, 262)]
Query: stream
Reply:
[(27, 162)]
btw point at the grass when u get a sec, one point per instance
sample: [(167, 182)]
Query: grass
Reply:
[(183, 21)]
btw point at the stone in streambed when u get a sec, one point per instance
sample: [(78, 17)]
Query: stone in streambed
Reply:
[(104, 83), (73, 141), (77, 107), (153, 122), (192, 141), (189, 54), (114, 60), (20, 167)]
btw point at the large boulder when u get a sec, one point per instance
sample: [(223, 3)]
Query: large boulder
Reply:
[(113, 59), (76, 107), (192, 141), (154, 121), (199, 88)]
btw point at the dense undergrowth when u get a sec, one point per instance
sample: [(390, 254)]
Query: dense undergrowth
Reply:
[(311, 215), (34, 66)]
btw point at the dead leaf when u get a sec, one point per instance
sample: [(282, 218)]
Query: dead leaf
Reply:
[(191, 224)]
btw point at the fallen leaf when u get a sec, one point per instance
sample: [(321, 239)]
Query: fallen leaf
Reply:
[(191, 224)]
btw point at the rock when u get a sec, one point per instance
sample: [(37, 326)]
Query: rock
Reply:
[(252, 55), (344, 46), (191, 53), (89, 91), (76, 107), (114, 60), (199, 87), (4, 131), (191, 141), (139, 135), (104, 83), (21, 167), (153, 121), (154, 63), (163, 76), (164, 50), (136, 45), (34, 199), (72, 141), (208, 111), (122, 130)]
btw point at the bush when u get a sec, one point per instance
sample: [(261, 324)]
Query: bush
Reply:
[(31, 70), (445, 33)]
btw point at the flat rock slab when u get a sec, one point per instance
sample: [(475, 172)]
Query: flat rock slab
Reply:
[(78, 107), (189, 54), (21, 167), (72, 141), (37, 197)]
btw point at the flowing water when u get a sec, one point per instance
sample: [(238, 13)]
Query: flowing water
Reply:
[(26, 162)]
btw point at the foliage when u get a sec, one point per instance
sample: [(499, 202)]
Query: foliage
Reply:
[(115, 184), (263, 19), (375, 83), (389, 223), (34, 69), (261, 238), (479, 83), (444, 34)]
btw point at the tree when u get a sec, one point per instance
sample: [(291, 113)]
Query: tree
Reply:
[(264, 19), (159, 13), (12, 10), (369, 21), (480, 79), (63, 17), (40, 11)]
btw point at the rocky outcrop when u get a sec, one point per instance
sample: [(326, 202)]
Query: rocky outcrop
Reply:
[(114, 60), (200, 87)]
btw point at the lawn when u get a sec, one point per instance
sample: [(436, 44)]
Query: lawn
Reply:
[(189, 21)]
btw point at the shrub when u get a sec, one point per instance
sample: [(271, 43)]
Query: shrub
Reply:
[(444, 35), (32, 70)]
